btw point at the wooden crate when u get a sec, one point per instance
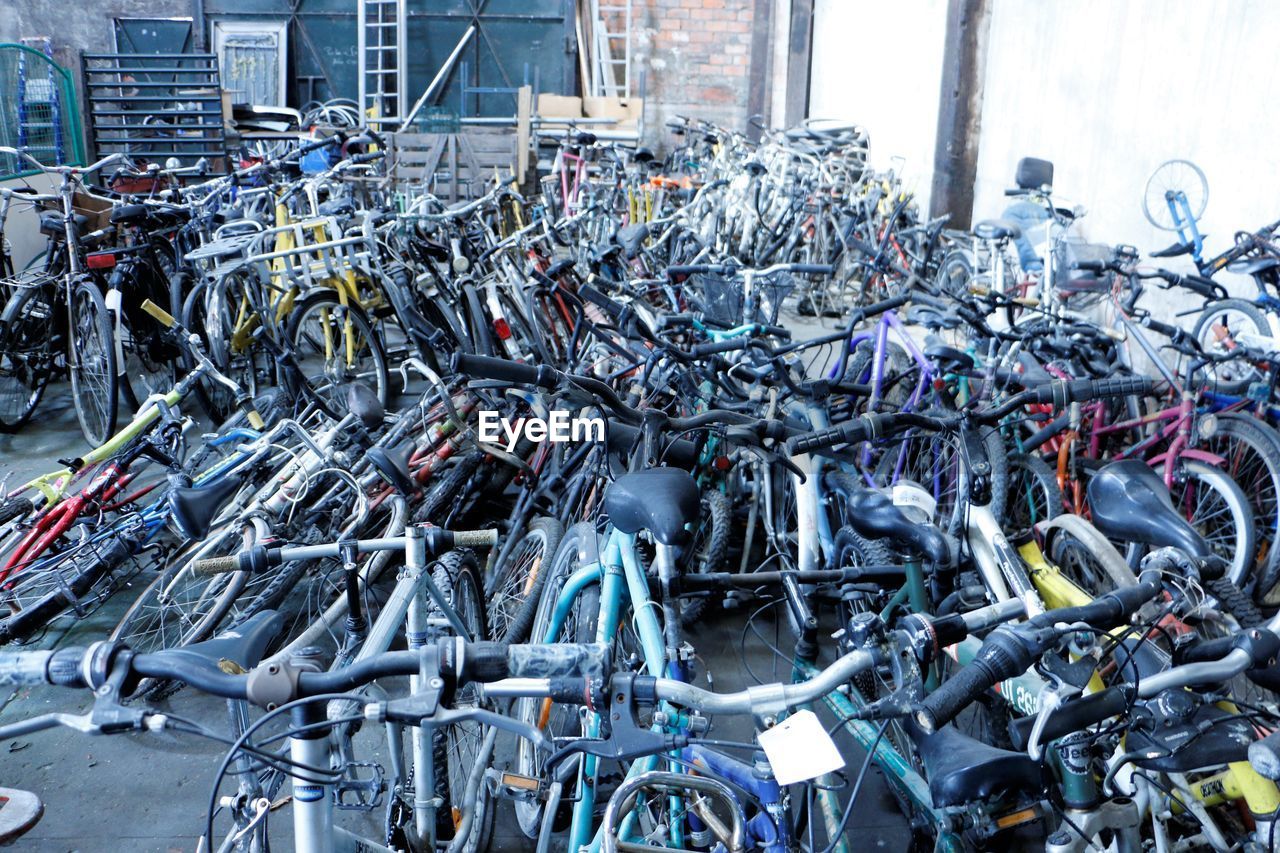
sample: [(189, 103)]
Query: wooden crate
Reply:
[(453, 166)]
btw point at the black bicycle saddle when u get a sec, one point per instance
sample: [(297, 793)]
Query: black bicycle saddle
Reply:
[(193, 508), (244, 645), (874, 515), (660, 500), (1129, 502)]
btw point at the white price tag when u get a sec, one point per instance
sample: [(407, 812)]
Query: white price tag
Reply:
[(799, 748)]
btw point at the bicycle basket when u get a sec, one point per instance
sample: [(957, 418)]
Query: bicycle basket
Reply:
[(770, 291), (718, 298)]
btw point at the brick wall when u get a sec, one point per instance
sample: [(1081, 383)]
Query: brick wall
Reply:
[(698, 55)]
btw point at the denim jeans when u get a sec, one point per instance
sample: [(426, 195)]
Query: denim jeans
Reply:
[(1027, 216)]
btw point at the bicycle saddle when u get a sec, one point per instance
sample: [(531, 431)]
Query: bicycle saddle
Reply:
[(932, 318), (660, 500), (1174, 251), (874, 515), (392, 464), (193, 508), (585, 138), (948, 358), (996, 229), (961, 769), (643, 155), (560, 266), (630, 238), (1253, 266), (243, 645), (51, 223), (365, 405), (1129, 502), (128, 214)]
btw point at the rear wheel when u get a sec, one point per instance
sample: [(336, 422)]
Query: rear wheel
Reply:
[(92, 357), (26, 354), (1034, 494), (555, 719)]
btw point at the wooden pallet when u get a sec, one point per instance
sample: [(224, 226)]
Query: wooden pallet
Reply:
[(453, 166)]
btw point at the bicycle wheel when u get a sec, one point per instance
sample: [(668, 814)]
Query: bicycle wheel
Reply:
[(150, 363), (457, 747), (553, 718), (518, 581), (224, 316), (336, 344), (26, 354), (1174, 176), (179, 607), (955, 273), (92, 359), (708, 549), (1208, 498), (1033, 491), (1217, 330), (1250, 451)]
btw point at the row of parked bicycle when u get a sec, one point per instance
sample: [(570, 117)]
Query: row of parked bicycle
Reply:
[(523, 449)]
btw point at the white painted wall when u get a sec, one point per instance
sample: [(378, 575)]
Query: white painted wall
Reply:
[(879, 65), (1108, 91)]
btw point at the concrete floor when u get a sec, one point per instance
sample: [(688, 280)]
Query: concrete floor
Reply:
[(149, 792)]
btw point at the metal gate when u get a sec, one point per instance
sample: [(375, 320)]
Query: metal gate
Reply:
[(37, 110)]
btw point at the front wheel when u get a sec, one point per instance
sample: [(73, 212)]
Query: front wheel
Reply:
[(1217, 332), (1216, 507), (91, 355), (335, 344), (26, 354)]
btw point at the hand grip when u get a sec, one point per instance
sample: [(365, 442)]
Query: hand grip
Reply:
[(955, 694), (24, 669), (13, 508), (216, 565), (812, 269), (777, 332), (504, 370), (161, 316), (851, 432), (369, 157), (728, 345), (475, 538), (1076, 715), (557, 660)]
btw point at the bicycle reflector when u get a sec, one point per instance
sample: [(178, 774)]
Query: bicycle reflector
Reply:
[(502, 328), (100, 260)]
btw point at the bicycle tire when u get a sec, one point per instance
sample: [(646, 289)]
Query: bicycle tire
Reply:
[(27, 354), (1207, 339), (708, 549), (91, 361), (1250, 450), (1033, 492), (330, 381), (1237, 543), (456, 574), (522, 571)]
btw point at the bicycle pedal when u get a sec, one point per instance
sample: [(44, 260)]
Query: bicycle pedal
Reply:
[(367, 792)]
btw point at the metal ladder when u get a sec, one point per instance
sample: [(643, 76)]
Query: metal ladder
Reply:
[(40, 106), (608, 44), (381, 30)]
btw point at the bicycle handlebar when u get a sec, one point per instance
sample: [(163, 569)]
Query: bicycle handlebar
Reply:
[(1009, 651)]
